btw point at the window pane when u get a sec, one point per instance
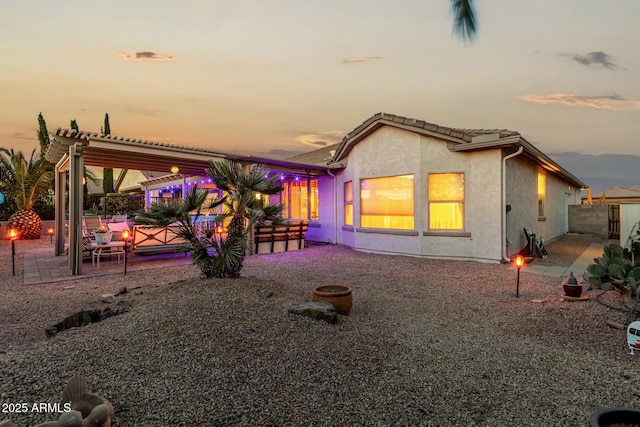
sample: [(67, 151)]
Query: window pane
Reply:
[(387, 202), (542, 190), (446, 186), (348, 192), (348, 214), (314, 199), (446, 201), (284, 199), (445, 216)]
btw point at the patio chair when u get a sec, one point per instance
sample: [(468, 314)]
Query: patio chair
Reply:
[(119, 218), (91, 223)]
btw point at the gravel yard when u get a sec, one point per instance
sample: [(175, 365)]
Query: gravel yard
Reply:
[(428, 342)]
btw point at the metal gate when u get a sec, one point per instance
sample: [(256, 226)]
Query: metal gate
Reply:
[(614, 221)]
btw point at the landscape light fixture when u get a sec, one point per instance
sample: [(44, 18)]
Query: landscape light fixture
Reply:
[(125, 238), (519, 261), (50, 232), (13, 235)]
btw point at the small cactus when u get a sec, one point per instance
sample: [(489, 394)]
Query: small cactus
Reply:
[(572, 279)]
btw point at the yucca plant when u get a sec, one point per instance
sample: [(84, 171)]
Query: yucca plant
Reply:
[(26, 181)]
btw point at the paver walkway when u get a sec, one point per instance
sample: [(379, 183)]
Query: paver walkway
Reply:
[(42, 266), (578, 267)]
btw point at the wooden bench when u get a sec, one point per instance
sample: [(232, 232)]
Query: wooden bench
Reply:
[(269, 238), (146, 238)]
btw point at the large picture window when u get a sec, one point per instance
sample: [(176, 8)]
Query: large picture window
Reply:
[(542, 191), (300, 199), (446, 201), (387, 202), (348, 203)]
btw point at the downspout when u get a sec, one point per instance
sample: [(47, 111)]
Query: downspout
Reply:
[(504, 201), (335, 206)]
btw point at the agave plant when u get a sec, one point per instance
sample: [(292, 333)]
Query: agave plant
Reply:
[(26, 181)]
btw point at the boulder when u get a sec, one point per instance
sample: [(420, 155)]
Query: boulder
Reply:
[(318, 310)]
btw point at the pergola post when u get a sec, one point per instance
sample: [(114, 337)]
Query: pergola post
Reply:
[(76, 203), (59, 206)]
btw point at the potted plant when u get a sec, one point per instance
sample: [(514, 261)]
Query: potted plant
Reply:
[(337, 295), (103, 235), (571, 286)]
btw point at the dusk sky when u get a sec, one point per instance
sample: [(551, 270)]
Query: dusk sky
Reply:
[(279, 77)]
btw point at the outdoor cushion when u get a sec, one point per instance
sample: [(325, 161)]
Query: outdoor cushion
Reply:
[(119, 218), (117, 228)]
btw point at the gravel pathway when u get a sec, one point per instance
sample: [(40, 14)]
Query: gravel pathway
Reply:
[(428, 342)]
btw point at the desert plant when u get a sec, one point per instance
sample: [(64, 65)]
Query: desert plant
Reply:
[(241, 207), (618, 269), (26, 181), (218, 256)]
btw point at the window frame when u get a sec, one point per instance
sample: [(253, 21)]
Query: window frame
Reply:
[(286, 197), (348, 203), (445, 201), (542, 197), (413, 209)]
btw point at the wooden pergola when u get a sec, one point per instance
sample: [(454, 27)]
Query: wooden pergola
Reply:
[(72, 150)]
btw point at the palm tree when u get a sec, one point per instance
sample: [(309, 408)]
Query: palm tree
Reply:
[(243, 201), (464, 24), (218, 256), (26, 181)]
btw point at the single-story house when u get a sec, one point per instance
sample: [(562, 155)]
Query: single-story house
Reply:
[(396, 185), (393, 185)]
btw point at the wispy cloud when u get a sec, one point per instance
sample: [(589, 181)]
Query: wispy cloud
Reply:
[(357, 59), (607, 102), (145, 56), (595, 60), (22, 135), (321, 139)]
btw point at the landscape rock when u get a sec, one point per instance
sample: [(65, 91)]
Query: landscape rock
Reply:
[(108, 298), (318, 310)]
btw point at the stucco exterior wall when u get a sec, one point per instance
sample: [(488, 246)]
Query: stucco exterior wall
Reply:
[(482, 202), (522, 196), (391, 152)]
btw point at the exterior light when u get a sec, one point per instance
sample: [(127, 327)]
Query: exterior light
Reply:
[(519, 261), (219, 229), (258, 196), (13, 235), (50, 231), (175, 169), (125, 238), (84, 181)]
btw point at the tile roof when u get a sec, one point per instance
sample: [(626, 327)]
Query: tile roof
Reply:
[(464, 140), (320, 156)]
